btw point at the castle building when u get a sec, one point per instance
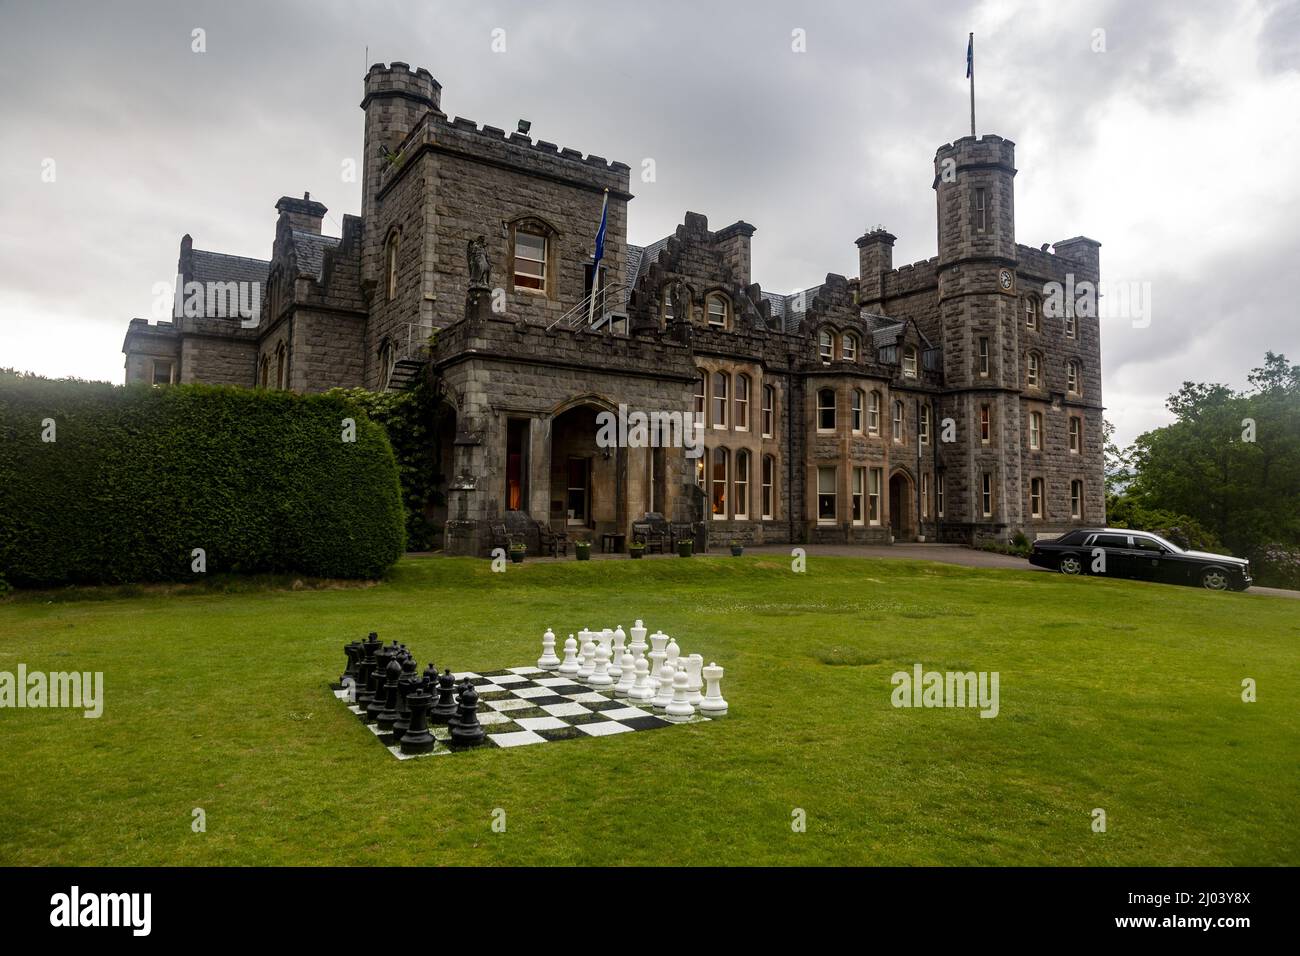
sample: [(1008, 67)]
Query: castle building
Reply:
[(935, 401)]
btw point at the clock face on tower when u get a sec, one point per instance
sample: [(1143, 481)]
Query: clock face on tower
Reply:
[(1006, 282)]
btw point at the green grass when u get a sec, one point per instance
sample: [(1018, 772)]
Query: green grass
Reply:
[(1118, 695)]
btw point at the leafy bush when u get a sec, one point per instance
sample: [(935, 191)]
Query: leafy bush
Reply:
[(138, 477), (412, 422), (1186, 532), (1276, 566)]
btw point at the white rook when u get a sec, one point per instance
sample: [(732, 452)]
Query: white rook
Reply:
[(713, 705)]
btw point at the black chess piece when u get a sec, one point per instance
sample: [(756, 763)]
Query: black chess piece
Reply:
[(383, 657), (387, 715), (445, 709), (352, 649), (467, 731), (365, 669), (408, 670), (431, 679), (408, 686), (417, 739), (461, 690)]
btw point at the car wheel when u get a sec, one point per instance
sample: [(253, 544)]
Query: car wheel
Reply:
[(1070, 564), (1214, 580)]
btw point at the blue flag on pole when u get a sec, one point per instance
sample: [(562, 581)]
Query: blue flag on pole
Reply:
[(600, 233), (970, 56)]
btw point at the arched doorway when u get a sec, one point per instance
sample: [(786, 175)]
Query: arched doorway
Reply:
[(902, 520), (586, 480)]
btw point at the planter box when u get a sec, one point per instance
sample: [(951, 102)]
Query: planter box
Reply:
[(517, 557), (636, 553), (583, 553), (685, 548)]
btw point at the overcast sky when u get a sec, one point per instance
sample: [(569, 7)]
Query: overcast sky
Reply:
[(1175, 146)]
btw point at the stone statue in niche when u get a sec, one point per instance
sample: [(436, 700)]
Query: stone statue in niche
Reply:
[(480, 269), (681, 301)]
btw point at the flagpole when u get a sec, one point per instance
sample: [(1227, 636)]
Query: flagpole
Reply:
[(972, 84), (595, 265)]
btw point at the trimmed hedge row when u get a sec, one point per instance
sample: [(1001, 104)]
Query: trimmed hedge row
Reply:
[(138, 477)]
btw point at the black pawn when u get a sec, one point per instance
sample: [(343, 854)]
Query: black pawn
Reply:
[(467, 731), (461, 691), (445, 709), (388, 715), (431, 679), (365, 669), (407, 687), (416, 739), (379, 694)]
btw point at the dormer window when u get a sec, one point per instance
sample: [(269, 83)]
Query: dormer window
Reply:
[(909, 362), (716, 309), (850, 350), (826, 346), (530, 261)]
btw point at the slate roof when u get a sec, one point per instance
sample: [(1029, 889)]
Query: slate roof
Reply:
[(219, 267), (309, 248)]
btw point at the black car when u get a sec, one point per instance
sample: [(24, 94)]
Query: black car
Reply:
[(1119, 553)]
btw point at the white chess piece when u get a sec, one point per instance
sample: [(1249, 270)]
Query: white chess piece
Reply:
[(713, 705), (606, 638), (588, 658), (600, 672), (673, 652), (638, 646), (694, 663), (548, 661), (656, 662), (643, 691), (570, 666), (680, 709), (664, 693), (628, 679), (657, 641)]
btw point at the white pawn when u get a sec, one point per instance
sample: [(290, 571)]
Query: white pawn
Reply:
[(680, 709), (643, 690), (548, 661), (600, 673), (588, 658), (665, 690), (713, 705), (620, 643), (570, 666), (693, 665), (673, 652), (628, 678)]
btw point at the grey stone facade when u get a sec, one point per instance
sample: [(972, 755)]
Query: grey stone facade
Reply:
[(930, 401)]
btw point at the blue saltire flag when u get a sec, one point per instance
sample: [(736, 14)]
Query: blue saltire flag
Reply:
[(600, 233), (970, 55)]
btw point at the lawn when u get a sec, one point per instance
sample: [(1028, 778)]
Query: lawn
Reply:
[(1115, 695)]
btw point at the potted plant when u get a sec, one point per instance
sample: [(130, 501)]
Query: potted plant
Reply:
[(583, 550), (636, 550), (517, 552), (737, 549), (685, 548)]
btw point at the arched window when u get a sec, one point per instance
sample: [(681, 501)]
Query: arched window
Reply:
[(1031, 312), (385, 363), (769, 487), (1033, 370), (909, 361), (390, 265), (264, 378), (826, 410), (716, 310), (826, 345), (1073, 378), (1076, 499), (719, 399), (719, 497), (740, 497), (858, 401), (873, 414), (849, 352), (1076, 434), (1035, 431), (280, 366), (742, 403), (769, 411), (898, 421)]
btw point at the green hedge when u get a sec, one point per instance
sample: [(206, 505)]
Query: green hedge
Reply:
[(138, 477)]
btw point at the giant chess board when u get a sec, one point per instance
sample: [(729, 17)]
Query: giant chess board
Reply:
[(519, 706)]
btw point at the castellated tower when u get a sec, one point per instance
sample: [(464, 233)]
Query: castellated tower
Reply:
[(396, 98), (979, 325)]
